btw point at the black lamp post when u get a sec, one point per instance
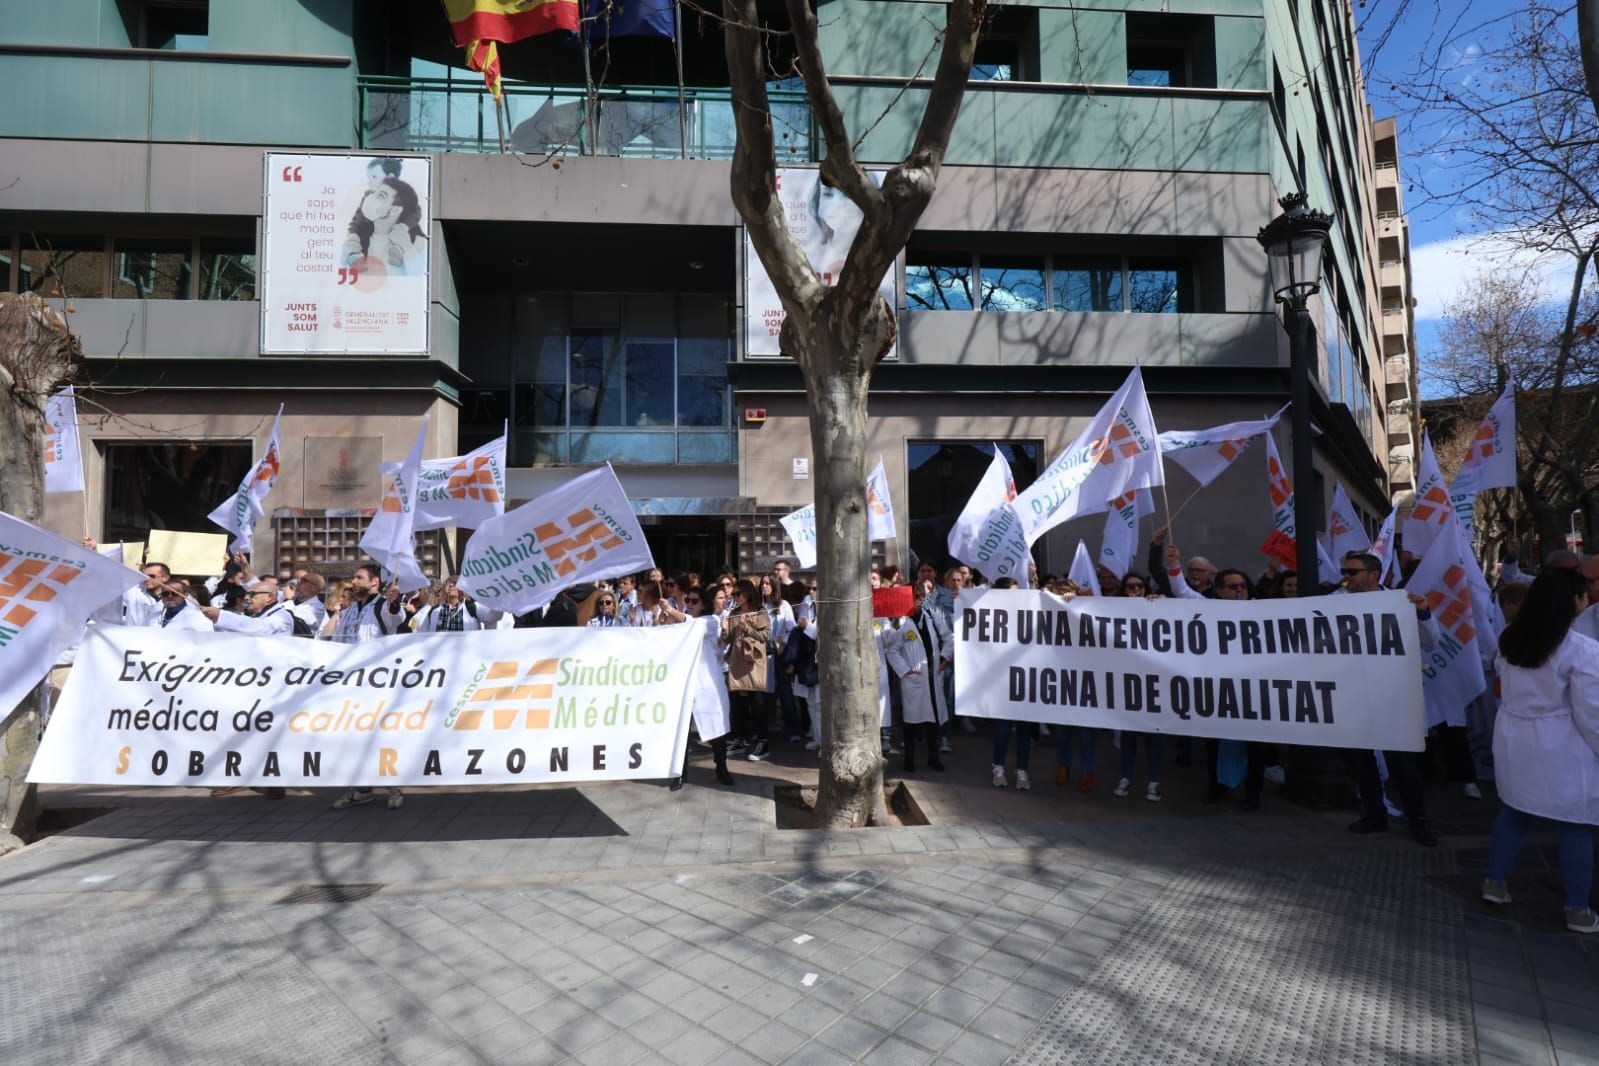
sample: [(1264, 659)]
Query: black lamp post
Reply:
[(1294, 241)]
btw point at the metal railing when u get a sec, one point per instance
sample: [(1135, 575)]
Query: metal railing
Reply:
[(642, 122)]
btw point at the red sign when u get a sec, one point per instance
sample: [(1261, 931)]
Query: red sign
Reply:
[(896, 602), (1282, 548)]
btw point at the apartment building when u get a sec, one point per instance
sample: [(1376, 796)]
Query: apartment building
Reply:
[(587, 282), (1402, 389)]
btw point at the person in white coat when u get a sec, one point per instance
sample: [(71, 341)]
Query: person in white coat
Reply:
[(913, 649), (178, 612), (456, 612), (1546, 740)]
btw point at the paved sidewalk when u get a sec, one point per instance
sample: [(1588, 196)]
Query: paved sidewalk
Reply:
[(627, 923)]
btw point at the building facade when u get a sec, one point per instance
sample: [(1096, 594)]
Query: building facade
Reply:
[(587, 288)]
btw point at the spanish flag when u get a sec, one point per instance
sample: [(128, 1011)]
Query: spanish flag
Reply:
[(484, 56), (508, 20)]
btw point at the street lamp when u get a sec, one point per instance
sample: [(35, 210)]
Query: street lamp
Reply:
[(1294, 241)]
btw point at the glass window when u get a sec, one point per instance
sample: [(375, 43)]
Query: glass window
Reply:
[(151, 269), (596, 378), (227, 270), (1013, 284), (1088, 285), (64, 265), (625, 447), (181, 25), (705, 448), (5, 262), (1156, 288), (939, 285), (703, 349), (941, 477), (649, 398), (1156, 64)]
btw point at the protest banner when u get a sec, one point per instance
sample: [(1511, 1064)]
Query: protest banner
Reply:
[(145, 706), (1490, 461), (800, 525), (988, 534), (1337, 671), (463, 490), (186, 554), (1205, 453), (239, 514), (48, 589), (1119, 545), (1432, 508), (1114, 454), (581, 531), (390, 538), (63, 459)]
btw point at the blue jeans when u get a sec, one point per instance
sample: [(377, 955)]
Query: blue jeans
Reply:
[(1154, 746), (1089, 746), (1024, 741), (1576, 853)]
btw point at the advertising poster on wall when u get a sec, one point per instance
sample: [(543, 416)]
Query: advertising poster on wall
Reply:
[(344, 255), (824, 222)]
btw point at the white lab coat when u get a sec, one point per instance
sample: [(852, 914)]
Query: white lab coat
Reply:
[(275, 621), (885, 705), (1587, 623), (1546, 737), (473, 618), (188, 620), (139, 608), (909, 657)]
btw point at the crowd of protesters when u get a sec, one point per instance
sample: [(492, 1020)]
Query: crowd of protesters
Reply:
[(1543, 723)]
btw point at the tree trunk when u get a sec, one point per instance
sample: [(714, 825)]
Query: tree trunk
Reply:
[(1588, 43), (850, 789), (37, 353)]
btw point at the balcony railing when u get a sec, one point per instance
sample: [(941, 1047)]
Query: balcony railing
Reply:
[(641, 122)]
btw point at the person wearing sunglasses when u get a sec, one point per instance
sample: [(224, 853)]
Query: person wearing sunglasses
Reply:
[(605, 612), (177, 613), (1135, 586)]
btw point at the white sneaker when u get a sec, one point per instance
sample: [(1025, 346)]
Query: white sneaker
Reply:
[(396, 800), (813, 745), (1583, 921), (1495, 891), (999, 777), (944, 745), (1123, 787), (1274, 774), (353, 798), (1471, 791), (1152, 793), (1022, 783), (1044, 730)]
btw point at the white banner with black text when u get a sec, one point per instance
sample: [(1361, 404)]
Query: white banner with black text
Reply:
[(148, 707), (1335, 671)]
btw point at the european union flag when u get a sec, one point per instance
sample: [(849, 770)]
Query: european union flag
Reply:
[(604, 19)]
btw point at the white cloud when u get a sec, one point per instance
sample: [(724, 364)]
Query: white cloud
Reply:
[(1441, 270)]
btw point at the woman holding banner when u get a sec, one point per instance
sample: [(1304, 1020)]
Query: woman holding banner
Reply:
[(1546, 740)]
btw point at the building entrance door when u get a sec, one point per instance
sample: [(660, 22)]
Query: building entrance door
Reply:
[(682, 543)]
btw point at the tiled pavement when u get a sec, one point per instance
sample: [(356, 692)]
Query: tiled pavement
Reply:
[(627, 923)]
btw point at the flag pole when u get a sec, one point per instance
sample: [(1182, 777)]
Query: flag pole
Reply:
[(499, 120), (588, 91), (1171, 515), (682, 95)]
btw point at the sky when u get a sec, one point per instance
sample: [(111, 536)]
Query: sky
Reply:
[(1448, 246)]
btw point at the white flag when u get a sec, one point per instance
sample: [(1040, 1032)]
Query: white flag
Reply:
[(1451, 673), (1120, 544), (390, 537), (1383, 546), (1205, 453), (584, 530), (1282, 511), (1432, 508), (248, 505), (1082, 572), (48, 588), (1116, 453), (463, 491), (63, 461), (1490, 461), (988, 534), (1345, 534), (800, 526), (879, 505)]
